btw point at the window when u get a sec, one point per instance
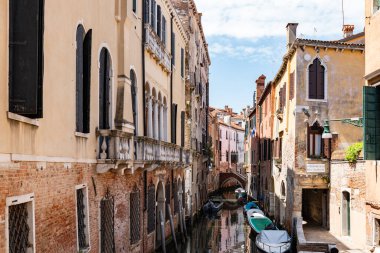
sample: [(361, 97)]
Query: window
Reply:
[(291, 86), (376, 5), (104, 89), (107, 213), (83, 79), (146, 11), (371, 96), (283, 192), (163, 30), (135, 215), (376, 236), (26, 57), (227, 156), (167, 198), (151, 208), (153, 14), (316, 80), (134, 100), (173, 48), (159, 19), (174, 123), (182, 62), (134, 6), (315, 144), (20, 223), (83, 233), (226, 135)]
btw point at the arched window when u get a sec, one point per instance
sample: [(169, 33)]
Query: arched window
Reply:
[(134, 100), (83, 79), (135, 215), (151, 208), (283, 192), (105, 89), (376, 5), (315, 144), (316, 80)]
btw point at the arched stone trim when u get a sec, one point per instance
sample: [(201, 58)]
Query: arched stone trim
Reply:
[(325, 79)]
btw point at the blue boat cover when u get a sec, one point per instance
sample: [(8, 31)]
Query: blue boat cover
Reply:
[(251, 205), (274, 237)]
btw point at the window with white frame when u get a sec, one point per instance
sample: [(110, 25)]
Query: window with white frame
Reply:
[(83, 233), (315, 144), (376, 5), (20, 224)]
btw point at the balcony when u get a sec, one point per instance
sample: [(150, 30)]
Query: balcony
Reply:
[(155, 46), (115, 151)]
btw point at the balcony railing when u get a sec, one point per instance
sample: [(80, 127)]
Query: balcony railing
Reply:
[(155, 46)]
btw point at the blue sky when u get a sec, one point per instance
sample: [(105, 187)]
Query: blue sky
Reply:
[(247, 38)]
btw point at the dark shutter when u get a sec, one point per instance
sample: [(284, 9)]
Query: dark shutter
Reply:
[(134, 99), (284, 96), (182, 129), (371, 106), (104, 89), (182, 62), (291, 86), (153, 14), (146, 11), (313, 80), (87, 46), (79, 78), (26, 57), (320, 81), (159, 19), (174, 123), (134, 6), (173, 48), (164, 30)]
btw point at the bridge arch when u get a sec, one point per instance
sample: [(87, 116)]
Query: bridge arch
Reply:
[(228, 176)]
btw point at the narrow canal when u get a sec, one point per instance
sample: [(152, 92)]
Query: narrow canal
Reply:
[(226, 232)]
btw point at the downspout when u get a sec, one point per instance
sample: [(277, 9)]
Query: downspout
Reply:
[(171, 80), (143, 62)]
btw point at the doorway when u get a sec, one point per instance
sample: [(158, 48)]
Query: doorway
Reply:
[(346, 217), (315, 207)]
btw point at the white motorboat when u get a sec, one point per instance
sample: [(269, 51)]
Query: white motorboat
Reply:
[(274, 241)]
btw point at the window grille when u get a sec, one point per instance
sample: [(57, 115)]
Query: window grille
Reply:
[(167, 197), (82, 239), (135, 215), (151, 208), (18, 229), (107, 224)]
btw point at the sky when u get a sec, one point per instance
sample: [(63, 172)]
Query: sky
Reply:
[(247, 38)]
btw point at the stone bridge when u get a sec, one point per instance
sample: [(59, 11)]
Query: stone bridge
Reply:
[(225, 177)]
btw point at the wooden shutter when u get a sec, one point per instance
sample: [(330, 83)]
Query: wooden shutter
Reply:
[(153, 14), (291, 86), (159, 19), (164, 30), (104, 90), (313, 80), (134, 6), (182, 62), (284, 95), (79, 78), (371, 106), (87, 48), (173, 48), (182, 129), (174, 123), (26, 57), (320, 81), (146, 11)]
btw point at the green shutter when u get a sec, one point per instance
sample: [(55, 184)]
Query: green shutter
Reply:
[(371, 106)]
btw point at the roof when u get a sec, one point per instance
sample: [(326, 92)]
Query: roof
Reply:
[(350, 38), (233, 125), (313, 43)]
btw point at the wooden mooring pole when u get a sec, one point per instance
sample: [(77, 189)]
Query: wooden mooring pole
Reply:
[(172, 227), (162, 225)]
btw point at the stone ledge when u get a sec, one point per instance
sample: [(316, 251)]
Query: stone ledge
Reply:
[(17, 117)]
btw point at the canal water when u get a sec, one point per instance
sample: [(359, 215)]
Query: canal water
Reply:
[(227, 232)]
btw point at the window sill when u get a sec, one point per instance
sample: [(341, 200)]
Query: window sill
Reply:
[(135, 15), (17, 117), (82, 135), (316, 159), (316, 100)]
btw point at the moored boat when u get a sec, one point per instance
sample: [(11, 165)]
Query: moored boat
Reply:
[(250, 205), (274, 241), (252, 211), (259, 222), (211, 207)]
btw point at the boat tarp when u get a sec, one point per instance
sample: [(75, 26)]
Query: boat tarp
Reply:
[(250, 212), (260, 223), (251, 205), (274, 236)]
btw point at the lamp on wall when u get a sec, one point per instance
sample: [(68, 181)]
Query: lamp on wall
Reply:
[(326, 131)]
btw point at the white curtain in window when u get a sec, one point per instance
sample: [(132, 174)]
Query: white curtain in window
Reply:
[(318, 143)]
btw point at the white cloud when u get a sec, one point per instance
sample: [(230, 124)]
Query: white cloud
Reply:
[(254, 19)]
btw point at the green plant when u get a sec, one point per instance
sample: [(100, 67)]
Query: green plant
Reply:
[(353, 152)]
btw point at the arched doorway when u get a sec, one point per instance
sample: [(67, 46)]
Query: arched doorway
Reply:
[(105, 75), (346, 219), (160, 209)]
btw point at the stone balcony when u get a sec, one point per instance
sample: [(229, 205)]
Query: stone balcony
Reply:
[(121, 152), (156, 48)]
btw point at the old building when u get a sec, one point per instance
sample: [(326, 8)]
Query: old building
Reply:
[(93, 149), (197, 102), (371, 124)]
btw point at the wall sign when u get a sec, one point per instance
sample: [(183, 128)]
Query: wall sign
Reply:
[(316, 168)]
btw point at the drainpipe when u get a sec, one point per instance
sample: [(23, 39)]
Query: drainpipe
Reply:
[(143, 62), (171, 79)]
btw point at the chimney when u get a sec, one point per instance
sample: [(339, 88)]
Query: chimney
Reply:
[(291, 34), (260, 83), (348, 30), (226, 108)]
